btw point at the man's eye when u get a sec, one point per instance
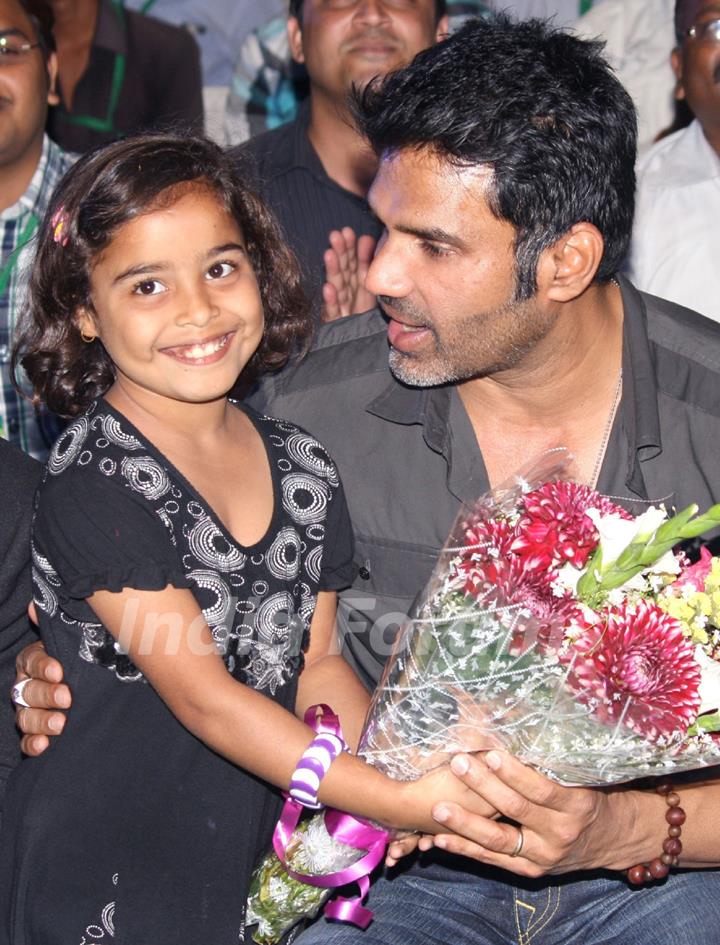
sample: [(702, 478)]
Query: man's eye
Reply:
[(220, 270), (432, 249), (148, 287)]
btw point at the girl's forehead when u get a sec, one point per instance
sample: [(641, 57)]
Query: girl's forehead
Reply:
[(189, 222), (191, 207)]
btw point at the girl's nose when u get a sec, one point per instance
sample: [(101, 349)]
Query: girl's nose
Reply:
[(197, 306)]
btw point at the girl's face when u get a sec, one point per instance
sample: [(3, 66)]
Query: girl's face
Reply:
[(176, 303)]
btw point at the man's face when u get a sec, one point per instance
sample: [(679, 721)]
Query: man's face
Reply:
[(23, 87), (697, 67), (343, 42), (444, 273)]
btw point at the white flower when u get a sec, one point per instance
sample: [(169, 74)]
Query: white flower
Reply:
[(709, 681), (617, 533), (566, 580)]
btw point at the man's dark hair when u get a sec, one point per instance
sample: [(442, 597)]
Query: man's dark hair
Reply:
[(296, 6), (538, 106)]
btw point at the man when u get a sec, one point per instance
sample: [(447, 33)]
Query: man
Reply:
[(268, 85), (506, 190), (119, 73), (674, 250), (505, 186), (30, 167), (315, 172)]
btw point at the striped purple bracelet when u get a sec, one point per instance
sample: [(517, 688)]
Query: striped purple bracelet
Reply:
[(318, 756)]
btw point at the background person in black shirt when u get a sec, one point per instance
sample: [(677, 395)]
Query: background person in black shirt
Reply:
[(315, 173)]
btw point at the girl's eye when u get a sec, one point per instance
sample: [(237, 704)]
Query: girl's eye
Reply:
[(148, 287), (220, 270)]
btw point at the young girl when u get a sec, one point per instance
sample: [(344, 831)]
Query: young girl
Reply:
[(186, 554)]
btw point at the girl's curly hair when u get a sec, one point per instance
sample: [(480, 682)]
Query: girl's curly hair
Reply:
[(106, 189)]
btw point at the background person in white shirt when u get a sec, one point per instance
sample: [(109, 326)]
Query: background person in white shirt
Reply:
[(674, 251)]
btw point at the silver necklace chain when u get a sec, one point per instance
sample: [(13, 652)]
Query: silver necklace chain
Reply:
[(606, 433)]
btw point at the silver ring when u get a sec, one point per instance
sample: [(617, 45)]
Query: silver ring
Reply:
[(16, 694), (519, 843)]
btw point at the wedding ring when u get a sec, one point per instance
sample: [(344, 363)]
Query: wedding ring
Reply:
[(16, 694), (519, 843)]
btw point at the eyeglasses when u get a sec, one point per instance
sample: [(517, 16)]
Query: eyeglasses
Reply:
[(708, 32), (14, 47)]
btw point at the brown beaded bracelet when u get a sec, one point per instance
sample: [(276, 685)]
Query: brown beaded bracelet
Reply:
[(672, 847)]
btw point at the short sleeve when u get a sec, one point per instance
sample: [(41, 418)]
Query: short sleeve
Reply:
[(336, 572), (98, 535)]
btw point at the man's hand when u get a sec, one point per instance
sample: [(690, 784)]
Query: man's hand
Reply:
[(563, 828), (45, 693), (346, 264)]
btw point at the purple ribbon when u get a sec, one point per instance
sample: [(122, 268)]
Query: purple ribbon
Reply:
[(345, 829)]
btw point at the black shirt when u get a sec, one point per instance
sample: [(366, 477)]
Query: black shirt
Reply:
[(308, 204), (142, 75), (19, 477), (150, 818)]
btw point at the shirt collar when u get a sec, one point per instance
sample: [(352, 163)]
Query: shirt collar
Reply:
[(110, 29), (427, 406), (304, 155), (639, 405), (430, 407), (36, 196)]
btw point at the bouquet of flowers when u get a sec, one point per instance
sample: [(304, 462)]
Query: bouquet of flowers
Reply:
[(556, 626)]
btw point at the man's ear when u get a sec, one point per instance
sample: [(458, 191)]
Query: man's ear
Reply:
[(294, 31), (676, 61), (53, 97), (443, 29), (569, 266), (86, 324)]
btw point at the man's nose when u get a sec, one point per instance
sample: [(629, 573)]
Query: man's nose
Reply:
[(372, 11), (388, 274)]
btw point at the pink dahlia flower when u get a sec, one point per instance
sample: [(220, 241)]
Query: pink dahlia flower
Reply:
[(488, 537), (537, 615), (554, 528), (637, 667)]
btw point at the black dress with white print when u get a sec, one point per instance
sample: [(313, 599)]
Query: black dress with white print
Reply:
[(128, 828)]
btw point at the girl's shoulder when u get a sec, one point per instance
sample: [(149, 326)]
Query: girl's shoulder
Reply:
[(294, 446), (101, 458)]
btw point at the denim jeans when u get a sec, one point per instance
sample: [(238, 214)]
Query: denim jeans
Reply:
[(438, 901)]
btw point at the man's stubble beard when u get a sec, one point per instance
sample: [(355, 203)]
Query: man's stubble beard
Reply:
[(468, 352)]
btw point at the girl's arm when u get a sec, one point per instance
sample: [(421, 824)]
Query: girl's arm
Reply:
[(165, 635), (328, 677)]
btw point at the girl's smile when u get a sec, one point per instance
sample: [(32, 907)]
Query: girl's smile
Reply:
[(175, 292), (201, 352)]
